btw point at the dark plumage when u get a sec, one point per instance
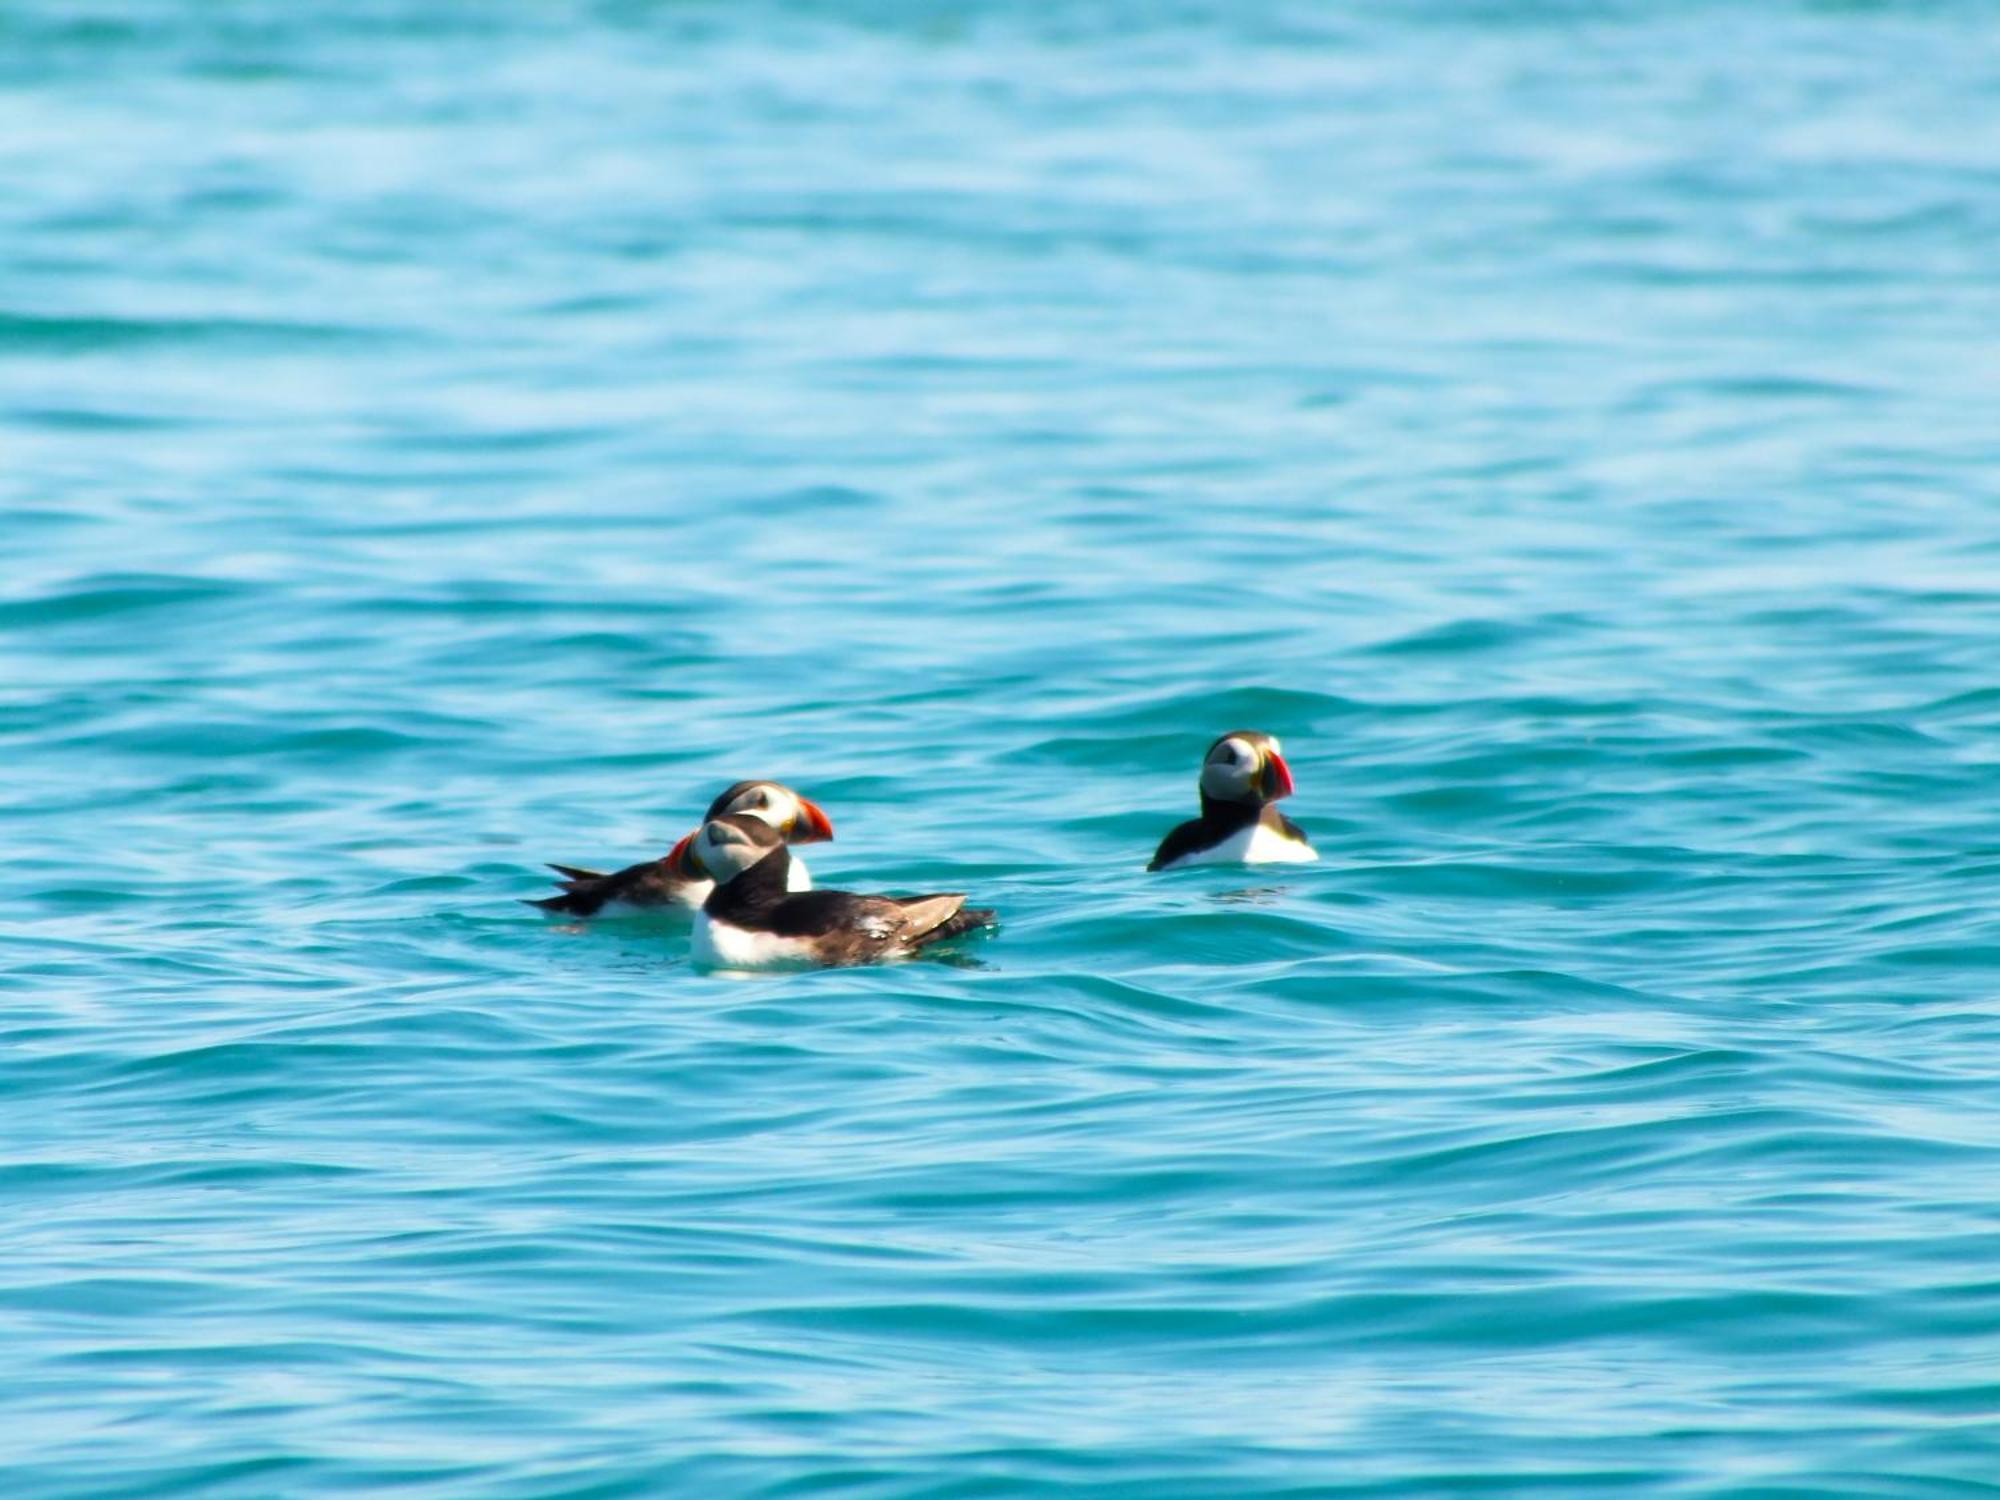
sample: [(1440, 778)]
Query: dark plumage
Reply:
[(587, 892)]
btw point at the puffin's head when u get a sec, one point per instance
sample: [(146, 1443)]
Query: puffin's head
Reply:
[(800, 821), (1245, 766), (723, 848)]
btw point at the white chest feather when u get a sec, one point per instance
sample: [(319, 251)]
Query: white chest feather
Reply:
[(1258, 844), (718, 945)]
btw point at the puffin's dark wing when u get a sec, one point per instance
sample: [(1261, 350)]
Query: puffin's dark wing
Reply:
[(844, 928), (585, 894), (812, 914), (573, 873), (1184, 840)]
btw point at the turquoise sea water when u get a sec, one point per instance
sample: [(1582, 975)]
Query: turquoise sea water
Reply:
[(441, 437)]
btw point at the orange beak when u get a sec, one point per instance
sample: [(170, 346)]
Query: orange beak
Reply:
[(679, 865), (1277, 777), (813, 825)]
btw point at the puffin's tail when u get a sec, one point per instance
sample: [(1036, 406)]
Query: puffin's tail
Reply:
[(962, 920), (569, 903), (578, 898)]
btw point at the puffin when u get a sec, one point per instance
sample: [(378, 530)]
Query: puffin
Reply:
[(1242, 776), (657, 884), (753, 920)]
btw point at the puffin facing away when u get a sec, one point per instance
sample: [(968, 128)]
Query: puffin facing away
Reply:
[(752, 921), (656, 884), (1242, 776)]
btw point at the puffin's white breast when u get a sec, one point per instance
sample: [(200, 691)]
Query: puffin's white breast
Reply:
[(720, 945), (1259, 844)]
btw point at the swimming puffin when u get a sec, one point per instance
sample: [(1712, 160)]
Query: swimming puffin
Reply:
[(751, 920), (1241, 777), (656, 884)]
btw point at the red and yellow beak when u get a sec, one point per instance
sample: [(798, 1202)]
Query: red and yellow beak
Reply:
[(681, 861), (812, 826), (1276, 777)]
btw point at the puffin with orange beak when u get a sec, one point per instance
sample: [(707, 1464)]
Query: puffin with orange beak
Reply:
[(1242, 776), (664, 884)]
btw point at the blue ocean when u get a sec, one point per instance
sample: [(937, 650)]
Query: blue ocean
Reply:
[(443, 437)]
